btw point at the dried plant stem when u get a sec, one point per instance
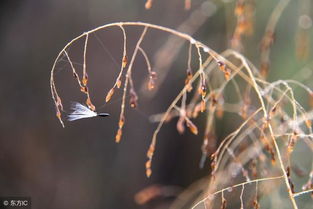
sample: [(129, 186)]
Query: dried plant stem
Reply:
[(238, 185), (85, 56), (292, 199), (144, 54), (123, 57), (303, 192), (127, 79), (54, 92), (264, 121)]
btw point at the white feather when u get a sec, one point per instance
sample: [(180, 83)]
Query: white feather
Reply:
[(80, 111)]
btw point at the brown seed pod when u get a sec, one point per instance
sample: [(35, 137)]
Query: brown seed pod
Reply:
[(227, 74), (118, 135), (109, 95), (148, 4), (221, 65), (192, 127), (240, 8), (152, 78), (85, 80), (118, 83), (148, 172), (58, 114), (256, 204), (150, 151), (203, 89), (124, 61), (121, 122)]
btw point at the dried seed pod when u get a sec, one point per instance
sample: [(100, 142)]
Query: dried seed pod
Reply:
[(124, 61), (203, 90), (148, 172), (151, 84), (187, 81), (227, 73), (213, 165), (148, 4), (58, 114), (118, 135), (85, 79), (121, 122), (148, 164), (150, 151), (221, 65), (109, 95), (118, 83), (192, 127), (148, 168), (240, 8), (152, 78), (256, 204)]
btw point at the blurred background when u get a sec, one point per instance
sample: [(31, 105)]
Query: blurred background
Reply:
[(80, 166)]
